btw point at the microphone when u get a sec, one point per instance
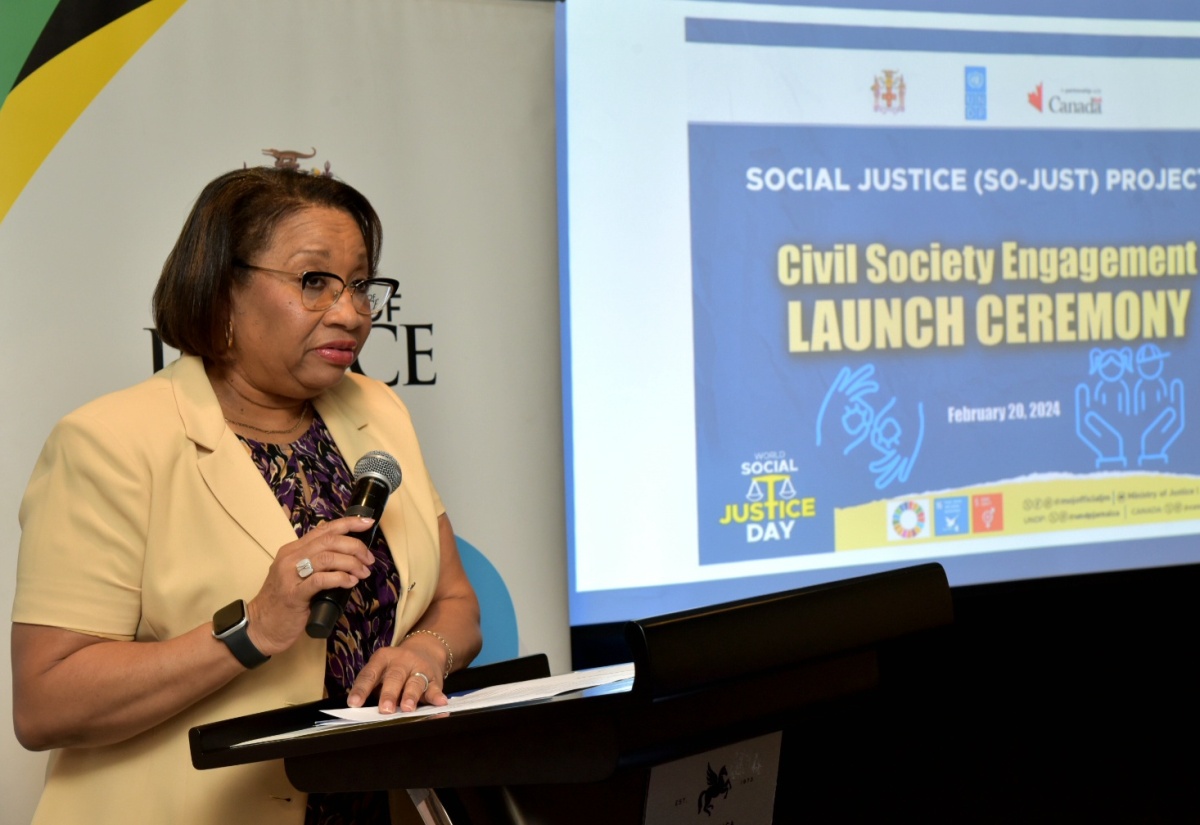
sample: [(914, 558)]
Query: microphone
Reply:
[(376, 476)]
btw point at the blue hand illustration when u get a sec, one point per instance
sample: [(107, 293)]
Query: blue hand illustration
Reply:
[(1165, 428), (892, 465), (860, 420), (1095, 431), (858, 415)]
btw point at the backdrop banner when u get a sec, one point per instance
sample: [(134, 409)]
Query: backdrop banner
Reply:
[(440, 111)]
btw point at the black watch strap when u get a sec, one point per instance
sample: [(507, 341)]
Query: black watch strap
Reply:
[(230, 625), (244, 649)]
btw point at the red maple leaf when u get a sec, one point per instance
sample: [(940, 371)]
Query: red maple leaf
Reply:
[(1035, 98)]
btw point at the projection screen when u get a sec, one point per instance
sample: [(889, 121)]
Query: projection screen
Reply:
[(848, 288)]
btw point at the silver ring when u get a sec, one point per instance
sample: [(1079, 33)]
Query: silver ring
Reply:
[(304, 568), (423, 676)]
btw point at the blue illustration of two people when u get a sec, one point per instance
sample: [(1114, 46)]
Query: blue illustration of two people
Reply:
[(865, 420), (1110, 416)]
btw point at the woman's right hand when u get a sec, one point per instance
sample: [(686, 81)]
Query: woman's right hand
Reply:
[(71, 689), (278, 614)]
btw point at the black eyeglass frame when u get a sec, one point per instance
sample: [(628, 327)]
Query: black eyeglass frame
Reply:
[(356, 287)]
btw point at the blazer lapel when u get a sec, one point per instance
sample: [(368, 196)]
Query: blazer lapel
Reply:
[(224, 464)]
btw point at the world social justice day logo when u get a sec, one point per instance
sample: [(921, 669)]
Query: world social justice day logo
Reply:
[(772, 505)]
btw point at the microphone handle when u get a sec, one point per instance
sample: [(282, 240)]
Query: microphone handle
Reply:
[(327, 606)]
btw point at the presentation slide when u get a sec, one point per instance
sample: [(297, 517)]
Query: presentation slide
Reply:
[(847, 288)]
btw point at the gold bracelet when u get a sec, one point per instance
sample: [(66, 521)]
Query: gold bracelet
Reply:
[(442, 639)]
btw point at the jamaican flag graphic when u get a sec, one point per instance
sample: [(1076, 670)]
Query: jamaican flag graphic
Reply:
[(55, 57)]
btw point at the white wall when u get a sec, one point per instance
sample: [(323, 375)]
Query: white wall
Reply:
[(442, 113)]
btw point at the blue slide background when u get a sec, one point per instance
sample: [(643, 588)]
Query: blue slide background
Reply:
[(753, 396)]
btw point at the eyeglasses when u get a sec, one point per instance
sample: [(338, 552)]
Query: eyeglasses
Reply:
[(321, 290)]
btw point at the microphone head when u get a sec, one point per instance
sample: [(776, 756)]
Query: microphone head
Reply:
[(380, 465)]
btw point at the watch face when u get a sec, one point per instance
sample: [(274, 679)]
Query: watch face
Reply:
[(229, 617)]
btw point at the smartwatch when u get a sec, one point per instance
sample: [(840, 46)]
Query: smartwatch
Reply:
[(229, 625)]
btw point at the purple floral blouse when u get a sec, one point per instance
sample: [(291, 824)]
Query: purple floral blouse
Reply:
[(313, 484)]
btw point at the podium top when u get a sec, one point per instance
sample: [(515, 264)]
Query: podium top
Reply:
[(679, 652), (788, 650)]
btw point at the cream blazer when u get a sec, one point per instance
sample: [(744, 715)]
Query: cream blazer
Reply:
[(143, 516)]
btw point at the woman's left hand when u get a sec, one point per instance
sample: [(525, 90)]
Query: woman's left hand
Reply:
[(400, 672), (397, 672)]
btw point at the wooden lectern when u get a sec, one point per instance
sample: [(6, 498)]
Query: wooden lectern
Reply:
[(704, 678)]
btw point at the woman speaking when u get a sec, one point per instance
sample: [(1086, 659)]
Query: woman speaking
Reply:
[(174, 534)]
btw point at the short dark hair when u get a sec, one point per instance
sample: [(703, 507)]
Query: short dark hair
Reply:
[(233, 219)]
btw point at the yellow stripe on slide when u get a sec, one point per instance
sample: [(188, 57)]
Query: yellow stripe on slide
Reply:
[(40, 110)]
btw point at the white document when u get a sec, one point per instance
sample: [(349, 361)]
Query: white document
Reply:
[(489, 697)]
